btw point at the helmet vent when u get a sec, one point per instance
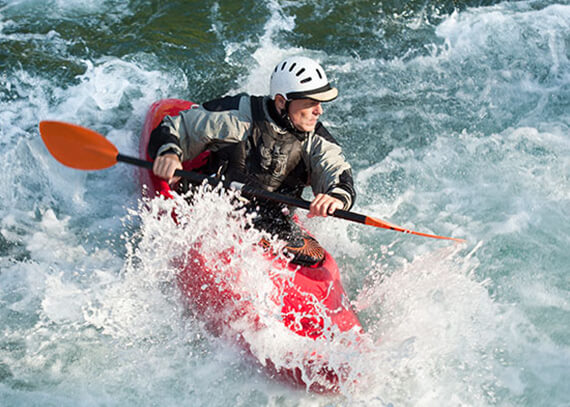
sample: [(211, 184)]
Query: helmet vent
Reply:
[(300, 72), (283, 66), (319, 73), (292, 66), (306, 80)]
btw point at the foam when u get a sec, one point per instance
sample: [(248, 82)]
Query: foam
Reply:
[(469, 138)]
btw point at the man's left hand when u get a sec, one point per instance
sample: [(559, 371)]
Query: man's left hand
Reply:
[(324, 205)]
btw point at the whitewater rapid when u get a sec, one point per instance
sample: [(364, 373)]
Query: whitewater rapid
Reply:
[(455, 122)]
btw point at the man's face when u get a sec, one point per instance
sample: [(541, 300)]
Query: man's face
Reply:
[(304, 113)]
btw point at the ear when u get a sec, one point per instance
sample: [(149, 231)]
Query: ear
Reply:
[(280, 103)]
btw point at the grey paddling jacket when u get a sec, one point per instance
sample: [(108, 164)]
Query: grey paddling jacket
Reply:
[(249, 143)]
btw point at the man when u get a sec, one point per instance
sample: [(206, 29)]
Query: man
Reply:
[(274, 142)]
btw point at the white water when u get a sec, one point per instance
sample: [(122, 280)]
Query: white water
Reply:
[(468, 139)]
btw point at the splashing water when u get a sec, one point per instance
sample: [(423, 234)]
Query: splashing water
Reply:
[(455, 118), (236, 291)]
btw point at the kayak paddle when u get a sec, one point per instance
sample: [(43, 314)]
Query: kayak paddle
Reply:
[(84, 149)]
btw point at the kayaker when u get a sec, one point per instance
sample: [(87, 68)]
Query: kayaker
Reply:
[(274, 142)]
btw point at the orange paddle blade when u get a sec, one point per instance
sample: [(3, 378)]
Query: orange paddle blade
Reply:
[(78, 147), (383, 224)]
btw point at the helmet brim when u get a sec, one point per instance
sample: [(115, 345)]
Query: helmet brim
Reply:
[(324, 94)]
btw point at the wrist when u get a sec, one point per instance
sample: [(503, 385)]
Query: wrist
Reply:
[(171, 151), (341, 198)]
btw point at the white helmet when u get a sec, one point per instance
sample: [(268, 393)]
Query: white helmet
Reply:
[(301, 78)]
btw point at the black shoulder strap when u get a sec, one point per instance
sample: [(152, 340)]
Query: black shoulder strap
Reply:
[(322, 131), (223, 104), (257, 113), (258, 119)]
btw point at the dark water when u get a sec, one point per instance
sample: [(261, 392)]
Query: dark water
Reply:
[(455, 117)]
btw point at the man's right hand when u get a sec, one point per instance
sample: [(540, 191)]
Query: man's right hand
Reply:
[(165, 165)]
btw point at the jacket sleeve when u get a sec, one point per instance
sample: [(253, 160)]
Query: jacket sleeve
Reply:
[(329, 172), (204, 127)]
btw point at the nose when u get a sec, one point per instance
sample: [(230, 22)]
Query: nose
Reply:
[(318, 109)]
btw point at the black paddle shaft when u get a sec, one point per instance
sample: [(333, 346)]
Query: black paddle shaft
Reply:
[(246, 190)]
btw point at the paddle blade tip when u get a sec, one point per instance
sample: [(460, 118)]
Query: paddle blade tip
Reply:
[(77, 147)]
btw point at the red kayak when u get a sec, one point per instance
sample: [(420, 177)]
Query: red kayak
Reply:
[(309, 312)]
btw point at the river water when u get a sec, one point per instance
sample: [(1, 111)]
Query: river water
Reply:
[(455, 117)]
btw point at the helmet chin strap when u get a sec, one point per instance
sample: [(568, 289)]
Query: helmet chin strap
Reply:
[(286, 120)]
